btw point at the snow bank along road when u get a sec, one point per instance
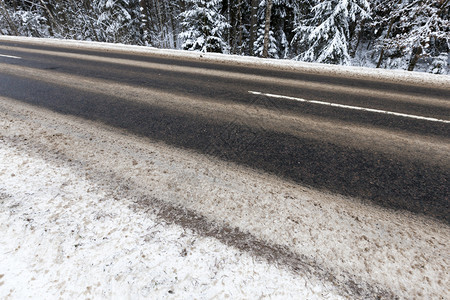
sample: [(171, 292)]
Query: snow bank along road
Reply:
[(339, 177)]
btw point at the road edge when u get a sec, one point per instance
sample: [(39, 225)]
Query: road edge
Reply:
[(351, 72)]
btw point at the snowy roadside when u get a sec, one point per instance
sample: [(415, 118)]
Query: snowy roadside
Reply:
[(83, 176), (63, 237)]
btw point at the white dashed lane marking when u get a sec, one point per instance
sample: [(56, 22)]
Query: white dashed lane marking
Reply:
[(352, 107), (10, 56)]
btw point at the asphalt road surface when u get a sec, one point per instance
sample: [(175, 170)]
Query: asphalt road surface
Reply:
[(381, 141)]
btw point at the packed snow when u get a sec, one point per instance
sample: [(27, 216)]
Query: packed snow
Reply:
[(63, 237)]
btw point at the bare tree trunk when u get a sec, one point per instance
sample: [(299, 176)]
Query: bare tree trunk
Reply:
[(11, 24), (239, 41), (167, 29), (415, 55), (387, 36), (145, 21), (253, 25), (267, 28), (172, 24), (51, 21), (441, 11), (182, 5), (161, 24), (355, 41), (15, 4), (230, 27)]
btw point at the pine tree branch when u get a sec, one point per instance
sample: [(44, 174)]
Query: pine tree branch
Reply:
[(11, 24)]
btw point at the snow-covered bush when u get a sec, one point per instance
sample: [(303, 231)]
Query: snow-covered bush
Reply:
[(439, 64)]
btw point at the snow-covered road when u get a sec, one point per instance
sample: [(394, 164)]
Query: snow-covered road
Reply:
[(91, 211)]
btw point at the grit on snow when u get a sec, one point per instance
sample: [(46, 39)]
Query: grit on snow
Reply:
[(71, 225), (62, 236)]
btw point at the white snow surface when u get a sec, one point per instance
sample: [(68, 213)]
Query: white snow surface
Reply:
[(63, 237)]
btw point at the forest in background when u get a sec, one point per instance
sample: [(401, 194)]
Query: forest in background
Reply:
[(393, 34)]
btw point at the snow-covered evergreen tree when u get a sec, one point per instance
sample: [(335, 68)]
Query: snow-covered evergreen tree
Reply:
[(203, 27), (273, 51), (415, 29), (282, 24), (324, 36), (118, 20), (240, 30)]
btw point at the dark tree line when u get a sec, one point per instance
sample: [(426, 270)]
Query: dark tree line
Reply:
[(382, 33)]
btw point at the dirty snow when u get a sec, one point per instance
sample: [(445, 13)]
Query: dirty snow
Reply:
[(62, 236)]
